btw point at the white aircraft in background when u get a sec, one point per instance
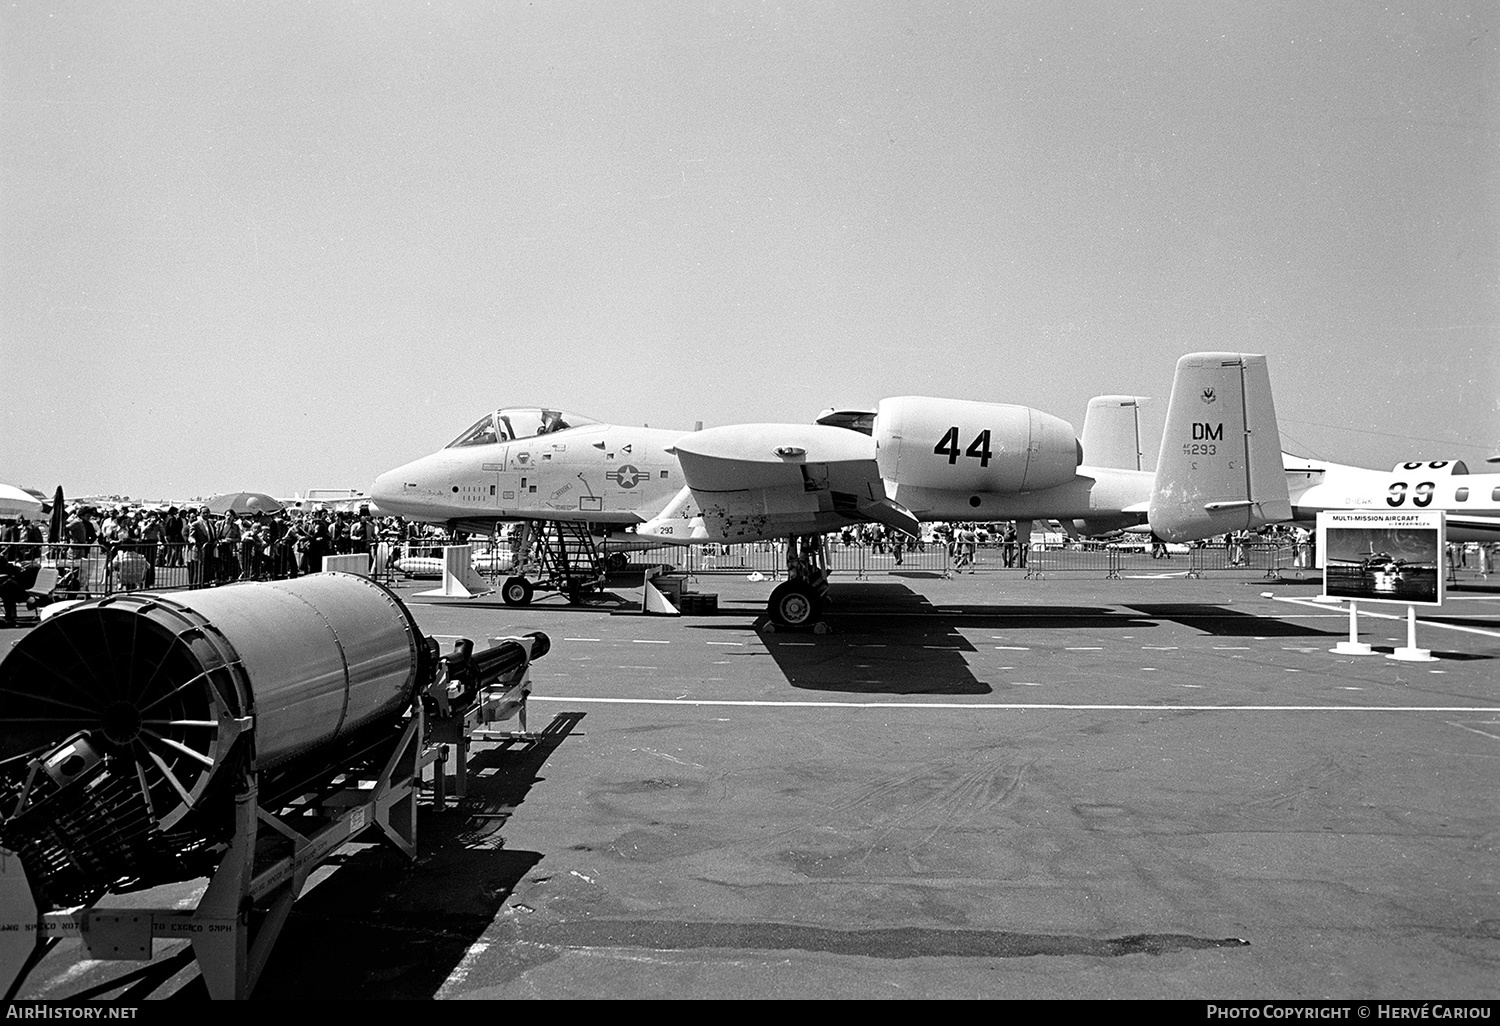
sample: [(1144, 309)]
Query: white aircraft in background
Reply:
[(916, 459), (1471, 502), (912, 459)]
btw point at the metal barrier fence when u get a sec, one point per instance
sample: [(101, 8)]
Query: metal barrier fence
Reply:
[(1268, 559), (89, 571), (92, 570)]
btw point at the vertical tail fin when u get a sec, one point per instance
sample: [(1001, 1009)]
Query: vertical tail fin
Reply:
[(1220, 464), (1112, 432)]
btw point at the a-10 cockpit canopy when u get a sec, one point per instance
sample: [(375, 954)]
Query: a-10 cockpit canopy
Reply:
[(516, 422)]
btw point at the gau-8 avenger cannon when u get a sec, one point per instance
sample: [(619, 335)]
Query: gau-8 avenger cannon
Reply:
[(242, 734)]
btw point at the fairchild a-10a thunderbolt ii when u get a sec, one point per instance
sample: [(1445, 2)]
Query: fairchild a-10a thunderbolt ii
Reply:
[(911, 459), (918, 459)]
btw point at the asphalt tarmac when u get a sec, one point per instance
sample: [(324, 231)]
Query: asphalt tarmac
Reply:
[(978, 787)]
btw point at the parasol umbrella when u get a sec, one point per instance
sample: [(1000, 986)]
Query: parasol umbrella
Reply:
[(59, 518), (17, 503), (243, 502)]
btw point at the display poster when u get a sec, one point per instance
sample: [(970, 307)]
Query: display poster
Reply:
[(1383, 556)]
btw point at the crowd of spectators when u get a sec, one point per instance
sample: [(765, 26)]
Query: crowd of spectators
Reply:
[(144, 546)]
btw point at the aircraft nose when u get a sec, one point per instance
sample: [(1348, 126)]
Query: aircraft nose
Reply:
[(387, 490)]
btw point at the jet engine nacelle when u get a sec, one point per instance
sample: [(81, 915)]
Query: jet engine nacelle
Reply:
[(1432, 468), (972, 446)]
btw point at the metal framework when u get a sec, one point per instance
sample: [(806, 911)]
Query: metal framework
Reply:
[(275, 848)]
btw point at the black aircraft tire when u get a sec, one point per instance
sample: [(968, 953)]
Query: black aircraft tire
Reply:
[(793, 604), (516, 592)]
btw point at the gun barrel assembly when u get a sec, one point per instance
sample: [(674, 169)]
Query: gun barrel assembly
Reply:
[(147, 732)]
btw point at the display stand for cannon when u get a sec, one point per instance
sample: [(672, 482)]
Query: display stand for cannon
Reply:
[(269, 858)]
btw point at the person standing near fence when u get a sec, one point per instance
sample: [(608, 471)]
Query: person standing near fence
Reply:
[(174, 536), (968, 542), (1304, 548), (293, 547), (230, 536), (80, 532), (31, 533), (321, 543), (253, 546), (150, 546), (15, 579), (201, 552)]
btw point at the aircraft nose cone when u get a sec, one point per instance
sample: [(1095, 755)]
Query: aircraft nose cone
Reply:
[(387, 490)]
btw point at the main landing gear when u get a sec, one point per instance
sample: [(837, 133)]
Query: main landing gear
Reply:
[(798, 601)]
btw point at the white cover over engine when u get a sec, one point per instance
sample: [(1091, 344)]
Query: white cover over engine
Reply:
[(1432, 468), (962, 445)]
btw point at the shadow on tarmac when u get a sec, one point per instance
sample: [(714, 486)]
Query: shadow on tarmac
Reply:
[(383, 927), (888, 640), (1219, 621)]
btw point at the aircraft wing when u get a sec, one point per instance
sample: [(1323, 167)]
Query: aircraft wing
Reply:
[(752, 481), (1473, 528)]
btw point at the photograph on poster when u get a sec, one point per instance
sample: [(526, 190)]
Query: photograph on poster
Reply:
[(1383, 557)]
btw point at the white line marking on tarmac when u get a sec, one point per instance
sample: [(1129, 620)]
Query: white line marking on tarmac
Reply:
[(1486, 733), (1085, 648), (1395, 616), (1158, 648), (462, 970), (580, 639), (76, 970), (672, 758), (1014, 706), (1011, 648), (647, 641), (737, 644), (1231, 648)]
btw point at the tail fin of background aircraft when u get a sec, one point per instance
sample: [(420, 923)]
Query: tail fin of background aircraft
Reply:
[(1220, 464), (1112, 432)]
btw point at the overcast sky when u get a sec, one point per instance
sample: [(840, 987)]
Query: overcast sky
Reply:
[(279, 246)]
